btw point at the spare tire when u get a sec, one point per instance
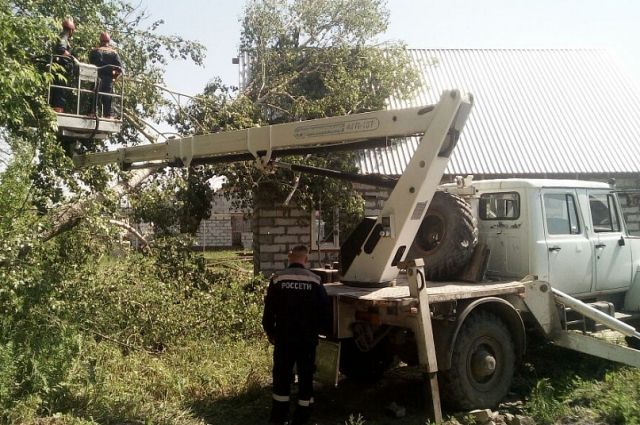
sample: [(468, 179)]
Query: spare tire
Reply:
[(447, 237)]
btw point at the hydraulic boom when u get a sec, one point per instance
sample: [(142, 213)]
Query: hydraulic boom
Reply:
[(371, 255)]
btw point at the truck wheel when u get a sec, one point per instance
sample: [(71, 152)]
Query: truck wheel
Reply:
[(446, 238), (482, 363), (369, 365)]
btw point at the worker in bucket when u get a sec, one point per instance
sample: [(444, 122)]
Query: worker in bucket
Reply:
[(107, 60), (296, 310), (64, 58)]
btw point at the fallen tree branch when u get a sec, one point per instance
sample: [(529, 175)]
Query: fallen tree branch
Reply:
[(133, 231), (68, 216), (230, 266)]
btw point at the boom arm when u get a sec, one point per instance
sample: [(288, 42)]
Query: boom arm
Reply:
[(372, 254), (264, 143)]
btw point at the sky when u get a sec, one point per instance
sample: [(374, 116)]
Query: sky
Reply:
[(611, 24)]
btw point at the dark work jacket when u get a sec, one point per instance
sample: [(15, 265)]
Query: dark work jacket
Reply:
[(63, 45), (107, 59), (296, 307)]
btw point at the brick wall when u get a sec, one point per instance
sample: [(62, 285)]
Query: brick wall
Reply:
[(374, 198), (276, 230), (216, 231), (630, 203)]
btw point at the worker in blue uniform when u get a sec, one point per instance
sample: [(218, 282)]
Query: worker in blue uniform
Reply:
[(64, 58), (107, 60), (296, 310)]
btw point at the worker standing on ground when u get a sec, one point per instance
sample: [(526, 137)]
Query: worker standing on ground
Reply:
[(64, 58), (107, 60), (296, 310)]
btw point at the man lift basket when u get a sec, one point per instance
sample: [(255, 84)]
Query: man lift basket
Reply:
[(84, 120)]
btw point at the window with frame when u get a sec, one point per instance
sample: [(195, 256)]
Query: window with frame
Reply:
[(325, 229), (561, 214), (604, 213), (500, 206)]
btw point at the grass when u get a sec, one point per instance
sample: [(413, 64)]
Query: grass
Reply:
[(199, 382), (564, 386), (229, 259)]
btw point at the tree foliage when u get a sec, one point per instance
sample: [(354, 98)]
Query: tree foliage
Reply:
[(304, 59), (29, 29), (40, 335)]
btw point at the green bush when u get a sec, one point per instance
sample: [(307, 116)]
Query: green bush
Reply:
[(617, 399), (128, 302)]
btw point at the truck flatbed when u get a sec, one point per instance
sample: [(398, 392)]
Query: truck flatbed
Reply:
[(437, 291)]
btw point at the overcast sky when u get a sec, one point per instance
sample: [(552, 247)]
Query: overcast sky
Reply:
[(612, 24)]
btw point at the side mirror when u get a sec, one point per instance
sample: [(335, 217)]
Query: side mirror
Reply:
[(621, 241)]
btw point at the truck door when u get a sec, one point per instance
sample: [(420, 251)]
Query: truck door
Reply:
[(501, 228), (569, 248), (611, 251)]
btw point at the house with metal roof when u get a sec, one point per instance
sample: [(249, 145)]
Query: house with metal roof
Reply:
[(567, 113), (538, 113)]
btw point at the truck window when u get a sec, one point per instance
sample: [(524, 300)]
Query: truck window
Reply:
[(604, 213), (500, 206), (561, 214)]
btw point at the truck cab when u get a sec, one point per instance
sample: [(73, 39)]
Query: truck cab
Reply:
[(570, 233)]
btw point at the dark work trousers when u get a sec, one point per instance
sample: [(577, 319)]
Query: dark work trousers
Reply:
[(286, 354), (58, 97), (105, 85)]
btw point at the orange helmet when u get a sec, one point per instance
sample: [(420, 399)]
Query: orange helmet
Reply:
[(105, 37), (68, 23)]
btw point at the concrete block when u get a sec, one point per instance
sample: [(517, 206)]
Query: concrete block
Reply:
[(482, 416), (269, 266), (272, 230), (273, 248), (297, 212), (261, 239), (266, 257), (632, 218), (266, 221), (265, 213), (298, 230), (523, 420), (302, 221), (288, 239), (281, 257)]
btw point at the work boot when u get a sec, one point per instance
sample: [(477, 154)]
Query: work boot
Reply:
[(279, 413), (301, 415)]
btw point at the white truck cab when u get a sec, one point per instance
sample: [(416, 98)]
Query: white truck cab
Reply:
[(570, 233)]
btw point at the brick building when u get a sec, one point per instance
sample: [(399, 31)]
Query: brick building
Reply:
[(226, 227)]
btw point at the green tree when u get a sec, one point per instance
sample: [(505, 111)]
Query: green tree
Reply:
[(28, 31), (42, 196), (304, 59)]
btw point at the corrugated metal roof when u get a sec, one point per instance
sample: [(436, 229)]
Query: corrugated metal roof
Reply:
[(537, 111)]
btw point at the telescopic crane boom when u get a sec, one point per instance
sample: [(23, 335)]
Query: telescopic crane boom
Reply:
[(370, 256)]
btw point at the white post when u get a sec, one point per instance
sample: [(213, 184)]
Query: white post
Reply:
[(424, 336)]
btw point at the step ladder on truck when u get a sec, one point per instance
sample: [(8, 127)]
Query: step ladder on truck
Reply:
[(466, 337), (82, 119)]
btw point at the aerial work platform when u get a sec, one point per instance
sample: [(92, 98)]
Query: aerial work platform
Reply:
[(82, 117)]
